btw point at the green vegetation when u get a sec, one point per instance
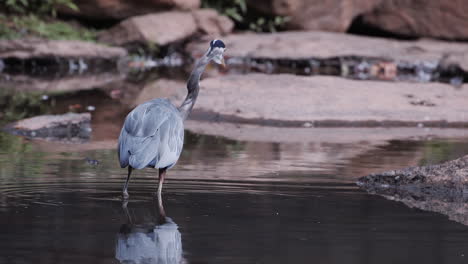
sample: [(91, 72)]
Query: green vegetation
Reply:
[(36, 18), (12, 27), (37, 7), (245, 18), (17, 105)]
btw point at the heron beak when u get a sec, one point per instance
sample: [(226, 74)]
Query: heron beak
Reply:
[(223, 63)]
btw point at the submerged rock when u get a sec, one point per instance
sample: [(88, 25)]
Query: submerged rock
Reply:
[(440, 188), (290, 100), (66, 127)]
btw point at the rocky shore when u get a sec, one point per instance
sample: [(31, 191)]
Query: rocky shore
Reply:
[(441, 188)]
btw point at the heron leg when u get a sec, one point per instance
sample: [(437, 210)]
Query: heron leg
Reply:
[(124, 192), (162, 174)]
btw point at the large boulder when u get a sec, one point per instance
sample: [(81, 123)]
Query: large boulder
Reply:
[(167, 27), (432, 18), (160, 29), (211, 23), (290, 100), (328, 15), (121, 9)]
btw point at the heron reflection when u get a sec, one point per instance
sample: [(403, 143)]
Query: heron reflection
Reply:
[(151, 240)]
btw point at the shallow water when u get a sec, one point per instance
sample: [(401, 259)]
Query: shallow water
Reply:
[(227, 201)]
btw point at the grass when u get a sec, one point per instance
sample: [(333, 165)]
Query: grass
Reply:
[(21, 26)]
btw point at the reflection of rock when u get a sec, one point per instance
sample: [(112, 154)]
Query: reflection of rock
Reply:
[(70, 127), (290, 100), (456, 210), (305, 45), (263, 150), (440, 188)]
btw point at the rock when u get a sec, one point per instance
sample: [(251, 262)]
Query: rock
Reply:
[(40, 48), (122, 9), (160, 29), (290, 100), (167, 27), (175, 91), (210, 22), (328, 15), (452, 175), (375, 136), (432, 18), (439, 188), (69, 127), (73, 82), (306, 45)]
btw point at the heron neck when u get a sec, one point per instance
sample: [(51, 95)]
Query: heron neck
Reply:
[(193, 86)]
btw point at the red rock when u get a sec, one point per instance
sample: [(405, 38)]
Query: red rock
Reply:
[(159, 28), (210, 22), (328, 15), (431, 18), (121, 9)]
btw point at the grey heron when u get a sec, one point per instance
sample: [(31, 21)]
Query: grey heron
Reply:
[(153, 132)]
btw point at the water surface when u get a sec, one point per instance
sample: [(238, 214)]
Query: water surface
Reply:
[(227, 201)]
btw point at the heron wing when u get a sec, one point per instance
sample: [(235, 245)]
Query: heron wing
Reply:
[(140, 137)]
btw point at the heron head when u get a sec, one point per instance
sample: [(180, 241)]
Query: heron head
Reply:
[(216, 51)]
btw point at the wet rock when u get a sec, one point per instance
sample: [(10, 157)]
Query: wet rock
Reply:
[(121, 9), (447, 178), (66, 127), (40, 48), (211, 23), (432, 18), (310, 45), (72, 82), (160, 29), (441, 188), (290, 100), (328, 15)]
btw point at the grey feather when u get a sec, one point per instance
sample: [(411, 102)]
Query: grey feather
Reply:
[(147, 130)]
